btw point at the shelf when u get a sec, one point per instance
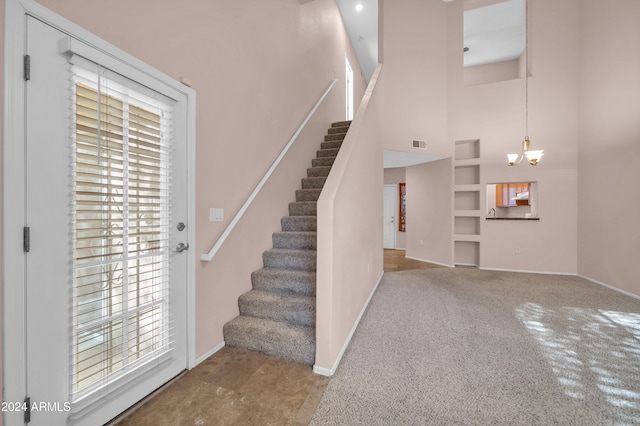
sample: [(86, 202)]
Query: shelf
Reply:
[(512, 218), (466, 162), (466, 237), (466, 188), (466, 200), (466, 213), (467, 149)]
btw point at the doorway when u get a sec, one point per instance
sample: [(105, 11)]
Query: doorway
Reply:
[(389, 221), (95, 288), (349, 89)]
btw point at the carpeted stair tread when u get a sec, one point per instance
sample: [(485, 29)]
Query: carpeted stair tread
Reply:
[(274, 338), (277, 317), (300, 260), (341, 123), (299, 223), (327, 153), (339, 129), (323, 161), (313, 182), (303, 208), (293, 309), (331, 145), (286, 281), (335, 137), (295, 240), (308, 194), (320, 171)]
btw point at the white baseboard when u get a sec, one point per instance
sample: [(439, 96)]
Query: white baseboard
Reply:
[(619, 290), (331, 371), (431, 261), (209, 353), (524, 271)]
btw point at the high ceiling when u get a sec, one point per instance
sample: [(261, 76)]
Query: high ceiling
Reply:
[(362, 26), (492, 33)]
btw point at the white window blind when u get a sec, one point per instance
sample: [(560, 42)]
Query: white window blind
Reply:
[(121, 320)]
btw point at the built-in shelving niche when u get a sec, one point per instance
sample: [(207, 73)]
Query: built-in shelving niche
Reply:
[(466, 203)]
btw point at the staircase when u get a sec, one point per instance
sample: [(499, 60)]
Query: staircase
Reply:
[(278, 317)]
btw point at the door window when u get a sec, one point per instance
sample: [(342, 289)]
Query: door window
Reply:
[(120, 230)]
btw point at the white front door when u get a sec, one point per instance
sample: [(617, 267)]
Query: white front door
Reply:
[(389, 224), (105, 288)]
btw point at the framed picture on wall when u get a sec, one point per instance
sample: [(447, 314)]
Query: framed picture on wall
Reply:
[(402, 222)]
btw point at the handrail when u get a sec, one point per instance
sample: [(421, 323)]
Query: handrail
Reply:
[(206, 257)]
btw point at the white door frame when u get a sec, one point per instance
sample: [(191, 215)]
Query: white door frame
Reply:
[(395, 214), (14, 185)]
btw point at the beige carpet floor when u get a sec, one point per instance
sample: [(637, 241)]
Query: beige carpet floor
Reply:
[(469, 347)]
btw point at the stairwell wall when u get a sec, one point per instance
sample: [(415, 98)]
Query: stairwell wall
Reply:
[(258, 66), (350, 254)]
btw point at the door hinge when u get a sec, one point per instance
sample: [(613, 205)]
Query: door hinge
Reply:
[(27, 409), (26, 239), (27, 67)]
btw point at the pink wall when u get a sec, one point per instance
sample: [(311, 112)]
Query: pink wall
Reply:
[(429, 212), (609, 201), (413, 85), (495, 114), (350, 256), (257, 67)]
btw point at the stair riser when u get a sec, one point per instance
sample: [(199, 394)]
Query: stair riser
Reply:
[(296, 282), (303, 209), (313, 183), (323, 162), (300, 312), (299, 261), (326, 153), (299, 223), (295, 240)]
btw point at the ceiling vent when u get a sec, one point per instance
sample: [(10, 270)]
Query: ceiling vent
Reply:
[(419, 144)]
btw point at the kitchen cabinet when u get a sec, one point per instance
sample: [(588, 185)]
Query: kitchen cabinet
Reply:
[(512, 194)]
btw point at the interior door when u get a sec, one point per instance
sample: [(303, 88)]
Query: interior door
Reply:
[(389, 224), (105, 312)]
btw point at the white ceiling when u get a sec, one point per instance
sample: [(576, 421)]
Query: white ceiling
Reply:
[(362, 27), (494, 33)]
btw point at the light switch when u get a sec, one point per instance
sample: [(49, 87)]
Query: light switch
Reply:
[(216, 215)]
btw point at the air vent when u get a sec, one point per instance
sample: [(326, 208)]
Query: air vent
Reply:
[(419, 144)]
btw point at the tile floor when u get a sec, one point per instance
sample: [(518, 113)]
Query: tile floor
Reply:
[(238, 387)]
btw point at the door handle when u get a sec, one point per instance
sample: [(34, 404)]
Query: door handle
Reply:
[(182, 247)]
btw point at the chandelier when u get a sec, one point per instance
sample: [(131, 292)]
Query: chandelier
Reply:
[(532, 156)]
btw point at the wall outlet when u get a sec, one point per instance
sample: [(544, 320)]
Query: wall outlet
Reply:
[(517, 250), (421, 242), (216, 215)]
